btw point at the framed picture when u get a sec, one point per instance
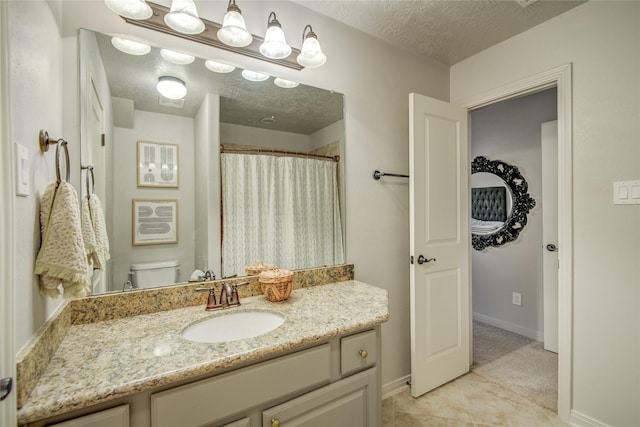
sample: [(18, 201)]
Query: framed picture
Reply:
[(155, 221), (157, 164)]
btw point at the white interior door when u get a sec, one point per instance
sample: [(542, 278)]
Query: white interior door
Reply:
[(550, 261), (439, 206)]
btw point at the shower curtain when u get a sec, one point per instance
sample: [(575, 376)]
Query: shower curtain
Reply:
[(280, 210)]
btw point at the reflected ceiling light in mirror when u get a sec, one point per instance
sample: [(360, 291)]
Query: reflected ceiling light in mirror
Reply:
[(234, 30), (171, 87), (130, 47), (311, 55), (178, 58), (286, 84), (218, 67), (268, 120), (132, 9), (275, 45), (254, 76), (184, 18)]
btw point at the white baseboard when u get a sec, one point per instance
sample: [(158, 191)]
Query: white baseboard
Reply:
[(395, 386), (582, 420), (511, 327)]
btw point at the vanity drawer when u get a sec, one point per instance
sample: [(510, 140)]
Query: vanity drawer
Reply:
[(206, 401), (358, 352)]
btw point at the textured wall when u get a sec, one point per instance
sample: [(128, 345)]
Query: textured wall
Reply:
[(602, 41)]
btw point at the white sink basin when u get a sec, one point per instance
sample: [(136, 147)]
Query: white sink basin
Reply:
[(233, 326)]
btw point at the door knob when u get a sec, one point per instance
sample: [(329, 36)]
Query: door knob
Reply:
[(551, 247), (422, 259)]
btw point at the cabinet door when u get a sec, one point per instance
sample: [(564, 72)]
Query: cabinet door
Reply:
[(351, 402), (114, 417)]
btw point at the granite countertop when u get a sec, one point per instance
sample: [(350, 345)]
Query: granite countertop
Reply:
[(101, 361)]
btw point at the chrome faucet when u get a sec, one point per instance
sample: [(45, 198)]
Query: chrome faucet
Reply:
[(127, 286), (209, 275)]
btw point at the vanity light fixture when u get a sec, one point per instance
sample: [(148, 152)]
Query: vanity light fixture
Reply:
[(178, 58), (218, 67), (132, 9), (254, 76), (184, 18), (285, 84), (311, 55), (275, 45), (234, 30), (129, 46), (171, 87)]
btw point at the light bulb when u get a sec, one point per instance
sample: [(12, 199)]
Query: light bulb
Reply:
[(275, 44), (234, 31), (311, 55), (171, 87), (184, 18)]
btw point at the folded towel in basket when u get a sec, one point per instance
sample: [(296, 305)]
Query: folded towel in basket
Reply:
[(62, 259)]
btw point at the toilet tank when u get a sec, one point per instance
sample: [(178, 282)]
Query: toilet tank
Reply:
[(152, 274)]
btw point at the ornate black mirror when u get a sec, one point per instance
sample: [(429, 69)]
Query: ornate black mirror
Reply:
[(499, 203)]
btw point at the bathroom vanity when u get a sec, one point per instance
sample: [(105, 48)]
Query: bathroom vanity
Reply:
[(320, 367)]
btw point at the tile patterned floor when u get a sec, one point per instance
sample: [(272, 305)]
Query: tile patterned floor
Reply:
[(468, 401)]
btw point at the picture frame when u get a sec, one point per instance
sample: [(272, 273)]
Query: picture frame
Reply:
[(157, 164), (154, 221)]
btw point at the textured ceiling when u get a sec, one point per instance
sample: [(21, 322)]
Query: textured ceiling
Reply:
[(302, 110), (445, 30)]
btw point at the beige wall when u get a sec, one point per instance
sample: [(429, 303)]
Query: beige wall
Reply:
[(602, 41), (375, 79)]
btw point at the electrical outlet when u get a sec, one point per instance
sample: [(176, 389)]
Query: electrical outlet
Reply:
[(516, 298)]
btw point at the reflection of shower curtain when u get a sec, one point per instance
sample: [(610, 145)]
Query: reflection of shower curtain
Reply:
[(280, 210)]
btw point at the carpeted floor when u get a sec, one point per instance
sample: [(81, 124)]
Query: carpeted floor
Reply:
[(517, 363)]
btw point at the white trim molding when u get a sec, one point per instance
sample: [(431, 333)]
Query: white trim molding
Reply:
[(511, 327), (395, 386), (581, 420), (561, 78), (7, 238)]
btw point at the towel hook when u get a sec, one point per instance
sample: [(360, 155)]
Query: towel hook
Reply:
[(63, 143)]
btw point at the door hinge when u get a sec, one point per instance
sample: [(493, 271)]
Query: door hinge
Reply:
[(411, 260), (6, 384)]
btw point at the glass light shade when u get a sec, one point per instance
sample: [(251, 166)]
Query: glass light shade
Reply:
[(254, 76), (286, 84), (184, 18), (275, 45), (171, 87), (130, 47), (234, 31), (132, 9), (176, 57), (218, 67), (311, 55)]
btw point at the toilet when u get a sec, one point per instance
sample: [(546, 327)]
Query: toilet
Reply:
[(153, 274)]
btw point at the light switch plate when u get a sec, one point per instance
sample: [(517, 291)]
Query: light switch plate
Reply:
[(22, 170), (626, 193)]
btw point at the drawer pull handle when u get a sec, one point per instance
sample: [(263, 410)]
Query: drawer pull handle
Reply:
[(275, 422), (363, 354)]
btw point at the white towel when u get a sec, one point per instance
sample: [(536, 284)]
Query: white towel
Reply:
[(101, 254), (88, 233), (62, 259)]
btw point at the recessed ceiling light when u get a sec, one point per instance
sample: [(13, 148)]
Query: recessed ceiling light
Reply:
[(254, 76), (171, 87), (268, 120), (218, 67), (286, 84), (177, 57), (130, 47)]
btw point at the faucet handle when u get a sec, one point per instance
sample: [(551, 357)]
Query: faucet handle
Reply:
[(235, 298), (211, 300)]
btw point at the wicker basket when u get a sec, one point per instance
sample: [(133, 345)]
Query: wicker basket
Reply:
[(258, 267), (276, 284)]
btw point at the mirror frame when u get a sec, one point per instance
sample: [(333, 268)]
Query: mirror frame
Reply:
[(522, 202)]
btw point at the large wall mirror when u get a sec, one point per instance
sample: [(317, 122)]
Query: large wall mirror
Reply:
[(127, 129), (500, 203)]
